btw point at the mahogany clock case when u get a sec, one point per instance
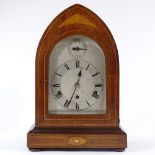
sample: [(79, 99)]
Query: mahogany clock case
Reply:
[(71, 131)]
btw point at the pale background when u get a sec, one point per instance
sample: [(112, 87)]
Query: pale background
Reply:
[(132, 23)]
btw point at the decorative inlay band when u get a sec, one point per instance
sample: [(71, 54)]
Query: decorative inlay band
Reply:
[(77, 19)]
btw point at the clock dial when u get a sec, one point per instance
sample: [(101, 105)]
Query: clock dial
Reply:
[(77, 80), (77, 48), (84, 86)]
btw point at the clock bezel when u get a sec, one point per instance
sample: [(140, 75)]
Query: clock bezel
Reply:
[(53, 34)]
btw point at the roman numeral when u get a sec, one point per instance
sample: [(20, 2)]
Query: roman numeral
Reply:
[(87, 67), (58, 95), (98, 85), (77, 64), (95, 74), (56, 85), (77, 106), (87, 102), (95, 95), (66, 103), (58, 74), (66, 66)]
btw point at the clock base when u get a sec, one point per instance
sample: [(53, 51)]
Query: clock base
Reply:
[(76, 139)]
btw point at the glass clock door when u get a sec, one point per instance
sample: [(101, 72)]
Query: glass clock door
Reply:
[(77, 80)]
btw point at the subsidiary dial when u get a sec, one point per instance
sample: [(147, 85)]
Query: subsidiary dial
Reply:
[(77, 48)]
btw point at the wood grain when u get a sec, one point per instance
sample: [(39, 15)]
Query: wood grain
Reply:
[(89, 130), (61, 27), (78, 138)]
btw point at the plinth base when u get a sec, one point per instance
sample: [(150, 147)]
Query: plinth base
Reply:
[(76, 139)]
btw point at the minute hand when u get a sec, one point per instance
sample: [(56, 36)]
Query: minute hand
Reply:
[(78, 48), (72, 96), (79, 75)]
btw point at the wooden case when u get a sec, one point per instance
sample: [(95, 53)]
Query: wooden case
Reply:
[(85, 131)]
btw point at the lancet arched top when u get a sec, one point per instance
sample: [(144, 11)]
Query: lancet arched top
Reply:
[(77, 20), (78, 17)]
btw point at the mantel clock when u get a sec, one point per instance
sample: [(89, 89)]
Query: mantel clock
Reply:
[(77, 85)]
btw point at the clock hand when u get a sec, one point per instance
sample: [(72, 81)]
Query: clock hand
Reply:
[(79, 75), (78, 48), (82, 49), (71, 97), (76, 85)]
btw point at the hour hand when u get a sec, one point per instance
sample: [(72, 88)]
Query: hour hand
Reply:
[(78, 48), (79, 74)]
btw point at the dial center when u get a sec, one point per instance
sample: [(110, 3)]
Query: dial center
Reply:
[(77, 85), (84, 86)]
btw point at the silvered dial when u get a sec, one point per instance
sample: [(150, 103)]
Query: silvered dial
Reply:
[(77, 77), (77, 85), (77, 48)]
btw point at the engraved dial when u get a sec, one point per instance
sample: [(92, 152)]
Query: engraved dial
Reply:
[(77, 85), (77, 48)]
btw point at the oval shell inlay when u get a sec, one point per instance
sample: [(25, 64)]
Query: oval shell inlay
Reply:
[(77, 141)]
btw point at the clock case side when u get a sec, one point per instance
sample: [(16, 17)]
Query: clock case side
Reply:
[(91, 131), (77, 20)]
